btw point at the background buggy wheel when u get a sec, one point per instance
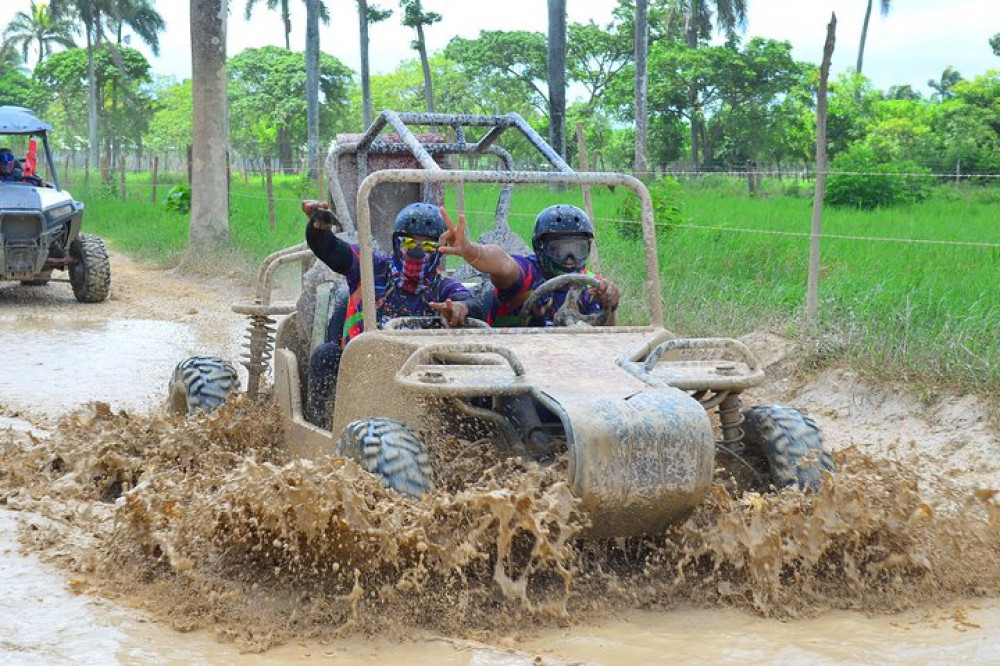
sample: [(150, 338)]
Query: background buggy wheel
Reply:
[(201, 382), (391, 450), (90, 276), (791, 444)]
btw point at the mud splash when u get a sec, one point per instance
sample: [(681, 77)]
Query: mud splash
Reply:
[(205, 523)]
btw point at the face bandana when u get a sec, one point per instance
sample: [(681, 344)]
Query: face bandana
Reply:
[(413, 269)]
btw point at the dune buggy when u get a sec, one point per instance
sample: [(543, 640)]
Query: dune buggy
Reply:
[(628, 405), (40, 222)]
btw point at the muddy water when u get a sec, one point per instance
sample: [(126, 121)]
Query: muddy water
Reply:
[(134, 538)]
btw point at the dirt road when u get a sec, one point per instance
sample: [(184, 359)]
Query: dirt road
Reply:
[(75, 592)]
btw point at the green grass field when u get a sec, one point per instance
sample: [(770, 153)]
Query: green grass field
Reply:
[(906, 293)]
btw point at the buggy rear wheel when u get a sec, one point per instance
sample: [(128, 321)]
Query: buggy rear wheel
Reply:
[(791, 444), (90, 275), (391, 450), (201, 382)]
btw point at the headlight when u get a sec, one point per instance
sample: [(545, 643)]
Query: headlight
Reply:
[(59, 212)]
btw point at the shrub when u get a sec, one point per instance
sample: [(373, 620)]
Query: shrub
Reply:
[(865, 182), (666, 197), (179, 199)]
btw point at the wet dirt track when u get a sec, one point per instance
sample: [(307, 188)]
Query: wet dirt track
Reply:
[(64, 606)]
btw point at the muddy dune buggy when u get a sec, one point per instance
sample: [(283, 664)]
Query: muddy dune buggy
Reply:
[(39, 221), (639, 413)]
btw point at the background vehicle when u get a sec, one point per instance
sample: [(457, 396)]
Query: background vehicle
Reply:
[(631, 407), (40, 222)]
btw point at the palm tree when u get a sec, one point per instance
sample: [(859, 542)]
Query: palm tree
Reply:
[(367, 14), (949, 77), (557, 75), (39, 26), (415, 17), (885, 6), (730, 18), (286, 15), (641, 44), (210, 124), (139, 15)]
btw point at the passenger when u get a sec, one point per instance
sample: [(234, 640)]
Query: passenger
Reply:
[(408, 283), (562, 239)]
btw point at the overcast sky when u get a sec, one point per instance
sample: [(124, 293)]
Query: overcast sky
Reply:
[(915, 42)]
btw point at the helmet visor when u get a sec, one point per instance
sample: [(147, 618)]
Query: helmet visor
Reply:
[(569, 252), (408, 243)]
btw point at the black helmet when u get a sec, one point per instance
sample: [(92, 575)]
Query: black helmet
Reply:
[(562, 223), (419, 219)]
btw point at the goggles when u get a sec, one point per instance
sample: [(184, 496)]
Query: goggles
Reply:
[(567, 250), (410, 243)]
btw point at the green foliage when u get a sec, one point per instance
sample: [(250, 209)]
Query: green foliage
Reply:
[(268, 85), (667, 197), (178, 199), (170, 128), (124, 102), (861, 180)]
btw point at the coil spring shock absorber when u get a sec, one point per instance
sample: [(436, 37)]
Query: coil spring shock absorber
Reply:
[(259, 348), (731, 418)]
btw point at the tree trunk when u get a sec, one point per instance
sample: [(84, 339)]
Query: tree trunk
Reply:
[(641, 44), (312, 85), (366, 90), (210, 125), (557, 75), (286, 20), (692, 41), (864, 36), (422, 50), (92, 154)]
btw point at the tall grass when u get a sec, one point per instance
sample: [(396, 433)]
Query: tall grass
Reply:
[(905, 293)]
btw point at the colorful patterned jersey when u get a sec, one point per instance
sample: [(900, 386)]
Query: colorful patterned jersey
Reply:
[(507, 302), (391, 301)]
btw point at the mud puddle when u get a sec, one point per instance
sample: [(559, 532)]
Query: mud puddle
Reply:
[(165, 540)]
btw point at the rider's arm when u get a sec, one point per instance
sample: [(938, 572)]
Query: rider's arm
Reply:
[(329, 249), (494, 261)]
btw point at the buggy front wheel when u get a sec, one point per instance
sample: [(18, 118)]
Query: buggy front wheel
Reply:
[(201, 382)]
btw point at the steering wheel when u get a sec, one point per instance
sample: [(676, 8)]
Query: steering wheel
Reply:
[(569, 314), (428, 323)]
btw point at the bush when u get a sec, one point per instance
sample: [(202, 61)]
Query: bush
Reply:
[(666, 197), (862, 181), (179, 199)]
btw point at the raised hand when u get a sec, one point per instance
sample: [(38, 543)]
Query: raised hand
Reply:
[(453, 313)]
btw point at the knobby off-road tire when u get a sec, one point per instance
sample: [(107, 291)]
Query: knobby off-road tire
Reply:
[(201, 382), (791, 444), (388, 449), (90, 276)]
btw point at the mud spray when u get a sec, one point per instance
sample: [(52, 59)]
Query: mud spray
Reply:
[(204, 523)]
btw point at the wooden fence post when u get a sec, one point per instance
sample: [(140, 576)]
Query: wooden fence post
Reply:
[(588, 202), (270, 190), (156, 170), (121, 173), (812, 289)]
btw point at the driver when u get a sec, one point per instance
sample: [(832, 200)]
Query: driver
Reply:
[(562, 238), (10, 170), (408, 283)]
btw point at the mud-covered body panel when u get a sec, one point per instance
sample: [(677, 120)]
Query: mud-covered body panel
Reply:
[(640, 457)]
